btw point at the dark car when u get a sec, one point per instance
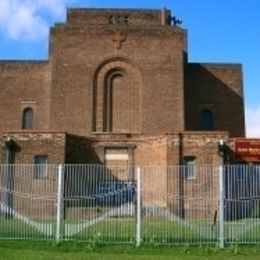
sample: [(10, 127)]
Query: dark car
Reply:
[(113, 193)]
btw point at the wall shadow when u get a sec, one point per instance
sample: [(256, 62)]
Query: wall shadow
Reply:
[(88, 183), (215, 87)]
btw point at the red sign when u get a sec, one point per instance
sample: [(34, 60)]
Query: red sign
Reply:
[(247, 149)]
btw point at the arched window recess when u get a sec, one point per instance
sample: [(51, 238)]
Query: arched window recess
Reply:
[(27, 118), (206, 120)]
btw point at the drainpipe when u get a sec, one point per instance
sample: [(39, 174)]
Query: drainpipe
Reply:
[(8, 177)]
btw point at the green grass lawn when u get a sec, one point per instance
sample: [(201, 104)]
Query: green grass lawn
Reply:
[(153, 231), (77, 250), (112, 230), (123, 230), (17, 229)]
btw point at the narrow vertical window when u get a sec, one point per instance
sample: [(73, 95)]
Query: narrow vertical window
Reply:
[(27, 120), (206, 120), (189, 168), (40, 162)]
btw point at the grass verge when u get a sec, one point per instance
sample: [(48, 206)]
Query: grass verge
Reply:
[(78, 250)]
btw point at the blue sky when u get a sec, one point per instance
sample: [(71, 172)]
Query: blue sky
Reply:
[(218, 31)]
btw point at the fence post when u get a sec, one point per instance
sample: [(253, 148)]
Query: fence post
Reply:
[(59, 203), (221, 207), (138, 207)]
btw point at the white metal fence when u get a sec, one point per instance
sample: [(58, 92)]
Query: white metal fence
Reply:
[(153, 204)]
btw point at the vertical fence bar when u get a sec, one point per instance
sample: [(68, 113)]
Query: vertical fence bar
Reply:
[(59, 202), (221, 207), (138, 207)]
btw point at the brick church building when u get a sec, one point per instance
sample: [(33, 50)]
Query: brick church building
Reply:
[(118, 89)]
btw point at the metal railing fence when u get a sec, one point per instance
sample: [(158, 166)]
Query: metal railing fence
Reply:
[(150, 204)]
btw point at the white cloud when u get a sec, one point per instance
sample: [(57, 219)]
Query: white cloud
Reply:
[(27, 19), (253, 121)]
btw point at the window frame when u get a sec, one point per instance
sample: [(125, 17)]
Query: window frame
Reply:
[(189, 166), (40, 166)]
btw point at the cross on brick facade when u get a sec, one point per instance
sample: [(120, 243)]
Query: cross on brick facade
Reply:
[(118, 39)]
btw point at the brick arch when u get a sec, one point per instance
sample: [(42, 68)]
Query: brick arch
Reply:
[(117, 108)]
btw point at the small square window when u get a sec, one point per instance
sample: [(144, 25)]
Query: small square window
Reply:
[(41, 170), (189, 168)]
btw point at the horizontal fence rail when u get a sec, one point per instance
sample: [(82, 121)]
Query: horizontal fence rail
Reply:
[(120, 204)]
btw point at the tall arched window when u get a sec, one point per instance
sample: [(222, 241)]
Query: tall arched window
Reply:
[(117, 98), (116, 108), (27, 120), (206, 120)]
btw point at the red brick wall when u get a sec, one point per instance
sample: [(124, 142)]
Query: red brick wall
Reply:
[(218, 88), (94, 16), (24, 84), (38, 143), (156, 52), (79, 150), (32, 196), (65, 92), (198, 197)]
